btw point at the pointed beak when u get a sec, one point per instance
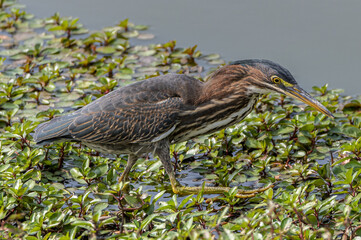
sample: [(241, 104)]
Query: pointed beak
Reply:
[(300, 94)]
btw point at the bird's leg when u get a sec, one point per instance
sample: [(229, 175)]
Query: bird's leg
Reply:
[(130, 163), (162, 150)]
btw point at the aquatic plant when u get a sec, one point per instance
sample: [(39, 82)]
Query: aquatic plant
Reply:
[(67, 191)]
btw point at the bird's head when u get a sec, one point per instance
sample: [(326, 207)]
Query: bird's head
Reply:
[(264, 76)]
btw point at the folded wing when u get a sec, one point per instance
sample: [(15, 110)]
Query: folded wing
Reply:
[(141, 112)]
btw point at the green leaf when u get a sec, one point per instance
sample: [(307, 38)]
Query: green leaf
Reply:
[(106, 50), (308, 127), (284, 130), (352, 131), (147, 221), (83, 224), (299, 154), (312, 218), (356, 174), (188, 226), (304, 140), (132, 201), (100, 170), (85, 196), (221, 216), (140, 27), (56, 28), (100, 206), (340, 161), (211, 57), (253, 143), (75, 173), (308, 206), (184, 202), (172, 217), (158, 195), (155, 166), (31, 238), (348, 176), (286, 223)]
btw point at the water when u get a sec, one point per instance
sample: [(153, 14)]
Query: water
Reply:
[(318, 41)]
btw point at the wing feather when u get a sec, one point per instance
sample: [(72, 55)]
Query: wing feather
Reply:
[(140, 112), (134, 124)]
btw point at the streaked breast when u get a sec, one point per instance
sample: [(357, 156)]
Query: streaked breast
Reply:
[(208, 119)]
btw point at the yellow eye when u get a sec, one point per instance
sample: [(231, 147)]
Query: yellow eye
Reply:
[(276, 79)]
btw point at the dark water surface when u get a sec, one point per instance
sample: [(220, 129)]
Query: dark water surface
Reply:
[(318, 41)]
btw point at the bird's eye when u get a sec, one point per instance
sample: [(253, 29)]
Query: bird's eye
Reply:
[(276, 79)]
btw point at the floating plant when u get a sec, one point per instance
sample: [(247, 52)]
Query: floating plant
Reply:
[(52, 66)]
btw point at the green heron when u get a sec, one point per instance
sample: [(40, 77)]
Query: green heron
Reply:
[(148, 116)]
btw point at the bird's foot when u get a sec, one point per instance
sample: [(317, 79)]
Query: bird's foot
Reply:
[(243, 193), (182, 190), (251, 193)]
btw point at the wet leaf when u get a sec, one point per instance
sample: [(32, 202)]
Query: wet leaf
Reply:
[(352, 131), (106, 50)]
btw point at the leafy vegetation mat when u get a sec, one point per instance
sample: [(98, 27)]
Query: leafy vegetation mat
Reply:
[(67, 191)]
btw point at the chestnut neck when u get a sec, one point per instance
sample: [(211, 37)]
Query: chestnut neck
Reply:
[(223, 83)]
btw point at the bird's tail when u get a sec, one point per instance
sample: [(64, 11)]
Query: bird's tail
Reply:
[(55, 129)]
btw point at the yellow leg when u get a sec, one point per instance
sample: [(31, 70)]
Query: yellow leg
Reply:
[(182, 190), (130, 163), (163, 152)]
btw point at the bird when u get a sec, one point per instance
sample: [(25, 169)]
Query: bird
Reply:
[(150, 115)]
